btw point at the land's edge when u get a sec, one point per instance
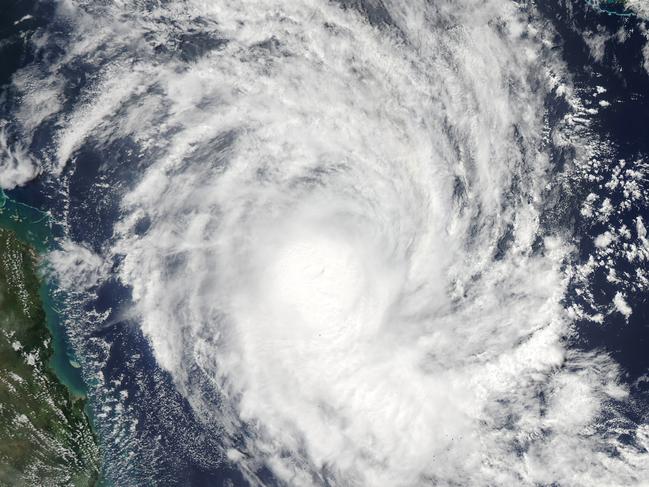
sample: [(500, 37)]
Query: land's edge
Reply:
[(46, 438)]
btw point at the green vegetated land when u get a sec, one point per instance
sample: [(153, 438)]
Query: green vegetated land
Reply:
[(45, 436)]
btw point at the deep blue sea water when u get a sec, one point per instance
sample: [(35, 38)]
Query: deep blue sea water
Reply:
[(626, 131)]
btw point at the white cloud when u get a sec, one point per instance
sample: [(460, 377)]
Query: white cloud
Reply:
[(621, 305), (597, 44), (640, 7), (603, 240), (17, 166), (75, 266)]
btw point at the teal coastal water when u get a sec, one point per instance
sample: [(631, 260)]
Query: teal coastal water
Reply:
[(611, 7), (37, 229)]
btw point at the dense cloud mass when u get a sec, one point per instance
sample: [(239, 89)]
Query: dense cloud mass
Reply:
[(337, 231), (17, 166)]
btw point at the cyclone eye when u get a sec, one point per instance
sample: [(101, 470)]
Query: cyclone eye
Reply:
[(319, 279)]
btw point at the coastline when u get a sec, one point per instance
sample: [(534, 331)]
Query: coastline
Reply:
[(34, 228), (47, 436)]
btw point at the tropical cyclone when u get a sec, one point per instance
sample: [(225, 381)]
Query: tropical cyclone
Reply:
[(337, 236)]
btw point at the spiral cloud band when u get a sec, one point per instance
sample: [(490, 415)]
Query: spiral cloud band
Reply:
[(338, 232)]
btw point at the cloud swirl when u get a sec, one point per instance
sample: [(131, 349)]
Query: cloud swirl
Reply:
[(337, 231)]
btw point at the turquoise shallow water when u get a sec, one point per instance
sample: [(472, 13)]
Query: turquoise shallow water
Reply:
[(37, 229), (611, 7)]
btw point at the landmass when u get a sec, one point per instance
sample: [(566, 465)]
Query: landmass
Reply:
[(45, 436)]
